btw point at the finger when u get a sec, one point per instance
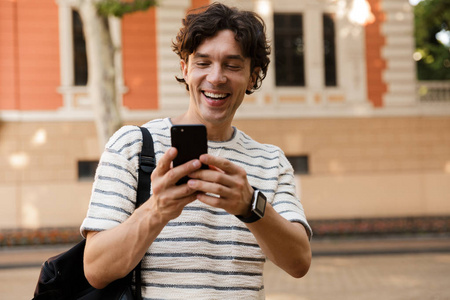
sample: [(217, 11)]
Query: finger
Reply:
[(218, 202), (191, 198), (211, 200), (218, 189), (211, 167), (213, 175), (164, 162), (219, 162), (178, 193), (180, 171)]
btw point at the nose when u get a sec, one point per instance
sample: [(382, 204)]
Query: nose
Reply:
[(216, 76)]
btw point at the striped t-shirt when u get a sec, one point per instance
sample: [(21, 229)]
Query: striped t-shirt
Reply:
[(205, 253)]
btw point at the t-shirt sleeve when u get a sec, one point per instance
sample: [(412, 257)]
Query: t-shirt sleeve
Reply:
[(113, 196), (286, 202)]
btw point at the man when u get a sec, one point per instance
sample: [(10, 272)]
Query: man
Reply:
[(196, 244)]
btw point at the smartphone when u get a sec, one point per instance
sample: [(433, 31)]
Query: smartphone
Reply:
[(191, 142)]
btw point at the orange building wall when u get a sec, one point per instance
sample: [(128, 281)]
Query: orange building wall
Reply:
[(38, 55), (140, 66), (376, 87), (29, 55), (8, 58), (199, 3)]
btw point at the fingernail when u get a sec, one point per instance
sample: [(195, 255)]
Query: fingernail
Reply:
[(196, 163)]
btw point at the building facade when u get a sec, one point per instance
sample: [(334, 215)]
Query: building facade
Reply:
[(340, 98)]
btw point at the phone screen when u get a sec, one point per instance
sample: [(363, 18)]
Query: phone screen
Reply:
[(191, 142)]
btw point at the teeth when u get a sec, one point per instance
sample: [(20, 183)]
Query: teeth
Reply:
[(215, 96)]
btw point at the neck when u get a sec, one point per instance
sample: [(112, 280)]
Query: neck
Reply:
[(220, 135), (216, 132)]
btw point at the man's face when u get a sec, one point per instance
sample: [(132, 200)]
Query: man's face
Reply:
[(218, 75)]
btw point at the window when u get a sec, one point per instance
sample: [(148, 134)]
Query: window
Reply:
[(73, 58), (299, 163), (329, 49), (79, 44), (289, 50)]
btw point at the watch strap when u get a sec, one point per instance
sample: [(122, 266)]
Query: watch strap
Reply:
[(253, 217)]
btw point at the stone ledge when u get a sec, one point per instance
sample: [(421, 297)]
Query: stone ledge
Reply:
[(41, 236), (333, 228), (374, 227)]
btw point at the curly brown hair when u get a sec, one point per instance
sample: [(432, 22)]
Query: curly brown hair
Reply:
[(248, 27)]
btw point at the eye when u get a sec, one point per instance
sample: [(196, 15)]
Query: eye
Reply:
[(233, 67), (202, 64)]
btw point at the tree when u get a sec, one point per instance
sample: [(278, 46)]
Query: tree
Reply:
[(100, 50), (432, 16)]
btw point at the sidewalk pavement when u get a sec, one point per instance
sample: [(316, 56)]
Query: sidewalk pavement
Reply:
[(388, 269)]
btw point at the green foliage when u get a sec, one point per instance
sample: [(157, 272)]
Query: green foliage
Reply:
[(432, 16), (118, 8)]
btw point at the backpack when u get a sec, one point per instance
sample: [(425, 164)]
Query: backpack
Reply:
[(62, 276)]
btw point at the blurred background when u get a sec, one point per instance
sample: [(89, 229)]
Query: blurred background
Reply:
[(357, 95)]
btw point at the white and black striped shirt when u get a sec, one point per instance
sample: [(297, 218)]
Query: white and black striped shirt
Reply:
[(205, 253)]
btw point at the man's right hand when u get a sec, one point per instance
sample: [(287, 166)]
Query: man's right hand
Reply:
[(108, 255), (169, 199)]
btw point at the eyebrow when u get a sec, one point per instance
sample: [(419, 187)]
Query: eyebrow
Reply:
[(231, 56)]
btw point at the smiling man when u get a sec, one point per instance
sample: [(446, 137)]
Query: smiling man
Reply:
[(208, 238), (217, 76)]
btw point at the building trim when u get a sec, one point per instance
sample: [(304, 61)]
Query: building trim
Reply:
[(285, 111)]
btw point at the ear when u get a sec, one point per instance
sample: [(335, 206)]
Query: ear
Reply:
[(184, 68), (253, 78)]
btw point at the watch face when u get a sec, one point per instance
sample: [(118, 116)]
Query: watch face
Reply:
[(259, 206)]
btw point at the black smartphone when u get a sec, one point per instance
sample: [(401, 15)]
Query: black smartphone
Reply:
[(191, 142)]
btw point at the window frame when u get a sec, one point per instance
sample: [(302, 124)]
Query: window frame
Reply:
[(351, 89), (293, 79), (75, 97)]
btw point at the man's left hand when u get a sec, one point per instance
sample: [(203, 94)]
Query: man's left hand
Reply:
[(226, 180)]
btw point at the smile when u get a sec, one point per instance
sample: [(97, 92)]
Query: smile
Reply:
[(215, 96)]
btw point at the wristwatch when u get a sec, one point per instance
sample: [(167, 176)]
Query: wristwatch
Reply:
[(257, 207)]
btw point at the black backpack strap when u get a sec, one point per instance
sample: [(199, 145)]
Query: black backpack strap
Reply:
[(147, 164)]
